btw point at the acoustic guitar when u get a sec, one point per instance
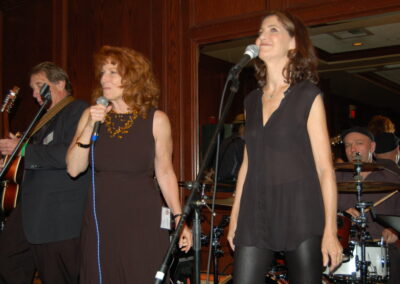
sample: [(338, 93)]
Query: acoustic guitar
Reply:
[(10, 183)]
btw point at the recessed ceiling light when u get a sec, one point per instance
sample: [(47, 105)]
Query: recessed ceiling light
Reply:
[(357, 44)]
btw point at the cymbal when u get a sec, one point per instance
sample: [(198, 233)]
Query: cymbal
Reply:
[(365, 167), (222, 202), (368, 186)]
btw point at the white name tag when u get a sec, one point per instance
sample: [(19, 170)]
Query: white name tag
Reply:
[(165, 218), (48, 138)]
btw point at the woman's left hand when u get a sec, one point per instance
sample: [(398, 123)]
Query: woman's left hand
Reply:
[(186, 239), (331, 251)]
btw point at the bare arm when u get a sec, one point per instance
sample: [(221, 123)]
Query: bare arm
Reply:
[(163, 161), (77, 157), (165, 172), (318, 133), (238, 196)]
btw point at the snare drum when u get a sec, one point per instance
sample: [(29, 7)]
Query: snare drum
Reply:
[(343, 229), (375, 252)]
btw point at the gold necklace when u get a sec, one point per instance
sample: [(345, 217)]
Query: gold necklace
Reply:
[(119, 131)]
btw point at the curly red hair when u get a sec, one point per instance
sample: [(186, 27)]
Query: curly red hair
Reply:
[(141, 91)]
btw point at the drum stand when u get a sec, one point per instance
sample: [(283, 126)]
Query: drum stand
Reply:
[(217, 232), (361, 221)]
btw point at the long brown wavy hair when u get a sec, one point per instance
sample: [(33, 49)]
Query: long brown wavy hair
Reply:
[(302, 63), (141, 91)]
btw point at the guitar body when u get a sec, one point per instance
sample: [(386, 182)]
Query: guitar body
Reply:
[(12, 179), (13, 174), (9, 182), (9, 196)]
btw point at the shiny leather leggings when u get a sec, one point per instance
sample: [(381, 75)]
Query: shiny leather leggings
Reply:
[(304, 263)]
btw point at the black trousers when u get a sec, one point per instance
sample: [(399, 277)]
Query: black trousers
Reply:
[(56, 262), (304, 263)]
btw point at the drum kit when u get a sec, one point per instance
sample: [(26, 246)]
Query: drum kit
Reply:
[(364, 260)]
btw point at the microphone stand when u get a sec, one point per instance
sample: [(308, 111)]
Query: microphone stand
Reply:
[(193, 201), (46, 99), (361, 264)]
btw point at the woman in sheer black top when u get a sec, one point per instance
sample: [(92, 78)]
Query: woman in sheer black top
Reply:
[(286, 196)]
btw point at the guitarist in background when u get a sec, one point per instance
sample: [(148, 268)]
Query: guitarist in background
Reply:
[(42, 232)]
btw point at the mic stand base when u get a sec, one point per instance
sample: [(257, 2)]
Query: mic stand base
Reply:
[(196, 242)]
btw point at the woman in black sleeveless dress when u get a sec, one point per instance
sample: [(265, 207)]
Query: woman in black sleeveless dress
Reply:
[(286, 194), (134, 142)]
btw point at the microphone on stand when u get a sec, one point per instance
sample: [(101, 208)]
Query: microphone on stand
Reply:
[(100, 101), (250, 53)]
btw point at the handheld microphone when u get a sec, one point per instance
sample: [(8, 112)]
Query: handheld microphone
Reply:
[(250, 53), (100, 101), (45, 93)]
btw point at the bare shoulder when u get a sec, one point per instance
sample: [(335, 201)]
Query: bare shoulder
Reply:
[(318, 103), (161, 124), (160, 118), (85, 116)]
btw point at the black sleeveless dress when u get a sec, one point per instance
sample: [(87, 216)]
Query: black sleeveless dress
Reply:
[(281, 203), (132, 245)]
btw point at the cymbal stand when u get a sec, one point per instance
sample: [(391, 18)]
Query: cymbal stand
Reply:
[(216, 245), (217, 232), (361, 221)]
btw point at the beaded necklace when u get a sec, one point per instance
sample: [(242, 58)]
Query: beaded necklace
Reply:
[(125, 121)]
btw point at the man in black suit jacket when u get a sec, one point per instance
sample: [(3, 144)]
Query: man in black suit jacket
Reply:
[(43, 230)]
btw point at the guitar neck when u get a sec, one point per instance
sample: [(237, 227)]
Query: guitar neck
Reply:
[(5, 109)]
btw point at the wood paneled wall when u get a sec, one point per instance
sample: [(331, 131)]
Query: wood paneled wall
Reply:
[(169, 32), (212, 22), (27, 39)]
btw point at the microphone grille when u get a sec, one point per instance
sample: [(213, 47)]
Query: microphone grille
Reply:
[(252, 51), (102, 101)]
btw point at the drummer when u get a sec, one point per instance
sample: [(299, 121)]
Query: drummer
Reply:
[(360, 140)]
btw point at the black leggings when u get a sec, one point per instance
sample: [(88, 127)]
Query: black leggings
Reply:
[(304, 263)]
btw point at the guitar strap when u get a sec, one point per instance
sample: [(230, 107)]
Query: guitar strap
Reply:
[(51, 113)]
